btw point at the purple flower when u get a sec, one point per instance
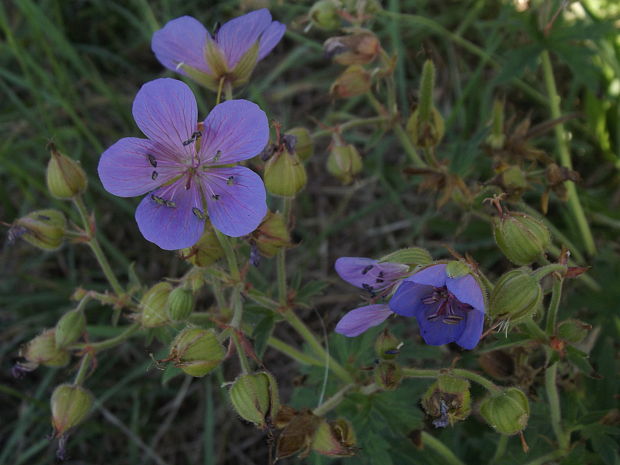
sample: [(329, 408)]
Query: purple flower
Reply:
[(183, 165), (447, 309), (185, 46), (376, 278)]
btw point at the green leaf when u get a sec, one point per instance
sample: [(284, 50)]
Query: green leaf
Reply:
[(262, 332)]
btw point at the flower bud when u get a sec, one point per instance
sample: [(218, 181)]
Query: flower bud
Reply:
[(516, 295), (514, 180), (42, 350), (271, 235), (520, 237), (44, 229), (197, 351), (285, 174), (359, 48), (69, 328), (457, 269), (180, 303), (65, 177), (255, 398), (304, 146), (496, 139), (70, 404), (507, 412), (425, 125), (344, 162), (153, 305), (324, 14), (388, 375), (447, 400), (573, 330), (354, 81), (335, 439), (206, 251), (387, 345), (410, 256)]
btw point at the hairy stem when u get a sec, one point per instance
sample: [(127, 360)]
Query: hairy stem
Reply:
[(293, 353), (554, 305), (83, 371)]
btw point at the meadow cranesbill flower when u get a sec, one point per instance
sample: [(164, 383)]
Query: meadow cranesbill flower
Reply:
[(447, 309), (378, 279), (184, 166), (184, 45)]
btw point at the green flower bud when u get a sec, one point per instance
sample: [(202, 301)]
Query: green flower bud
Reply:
[(42, 350), (457, 269), (521, 238), (354, 81), (572, 330), (69, 328), (344, 162), (204, 252), (514, 180), (285, 174), (516, 295), (409, 256), (304, 145), (507, 412), (497, 138), (44, 229), (70, 404), (335, 439), (388, 375), (65, 177), (426, 133), (387, 345), (197, 351), (180, 303), (153, 305), (272, 235), (324, 14), (255, 398), (447, 400)]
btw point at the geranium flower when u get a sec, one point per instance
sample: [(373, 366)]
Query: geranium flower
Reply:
[(184, 166), (447, 309), (378, 279), (184, 45)]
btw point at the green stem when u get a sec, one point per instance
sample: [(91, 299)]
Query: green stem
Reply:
[(543, 271), (293, 353), (440, 448), (535, 329), (228, 90), (83, 371), (430, 373), (333, 401), (112, 342), (554, 406), (562, 146), (231, 258), (554, 305), (501, 448), (405, 142), (243, 359)]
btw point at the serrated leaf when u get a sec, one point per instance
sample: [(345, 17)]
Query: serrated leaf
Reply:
[(516, 61), (580, 360)]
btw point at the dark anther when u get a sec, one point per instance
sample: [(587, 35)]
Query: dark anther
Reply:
[(154, 175), (230, 181), (215, 196), (367, 269), (152, 160), (290, 142), (199, 213)]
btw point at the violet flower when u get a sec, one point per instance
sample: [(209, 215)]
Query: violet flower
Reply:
[(447, 309), (378, 279), (184, 45), (183, 165)]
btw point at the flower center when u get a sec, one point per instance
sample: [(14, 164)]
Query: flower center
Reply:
[(450, 309)]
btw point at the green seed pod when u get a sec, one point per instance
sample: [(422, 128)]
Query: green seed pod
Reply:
[(353, 81), (344, 162), (272, 235), (44, 229), (409, 256), (206, 251), (507, 412), (573, 330), (516, 295), (388, 375), (447, 400), (153, 305), (42, 350), (180, 303), (324, 14), (304, 145), (65, 177), (285, 174), (335, 439), (69, 328), (425, 134), (255, 398), (521, 238), (197, 351), (70, 404), (386, 345)]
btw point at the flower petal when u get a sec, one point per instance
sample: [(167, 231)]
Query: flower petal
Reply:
[(435, 332), (433, 275), (165, 110), (407, 300), (181, 41), (270, 38), (470, 336), (369, 274), (173, 226), (237, 35), (359, 320), (237, 129), (236, 199), (126, 168), (467, 290)]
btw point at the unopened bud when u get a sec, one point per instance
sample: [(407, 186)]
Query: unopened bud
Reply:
[(497, 138), (335, 439), (573, 330), (387, 345), (410, 256), (507, 412), (425, 125), (344, 162), (197, 351), (285, 174), (354, 81), (521, 238), (65, 177), (70, 404), (42, 350), (447, 400), (70, 328), (457, 269), (324, 14), (255, 398), (516, 295), (388, 375), (304, 146), (359, 48), (153, 305), (44, 229), (513, 179), (206, 251), (272, 235), (180, 303)]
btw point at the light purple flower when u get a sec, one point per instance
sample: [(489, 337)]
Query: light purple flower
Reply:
[(184, 45), (447, 309), (181, 165), (376, 278)]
